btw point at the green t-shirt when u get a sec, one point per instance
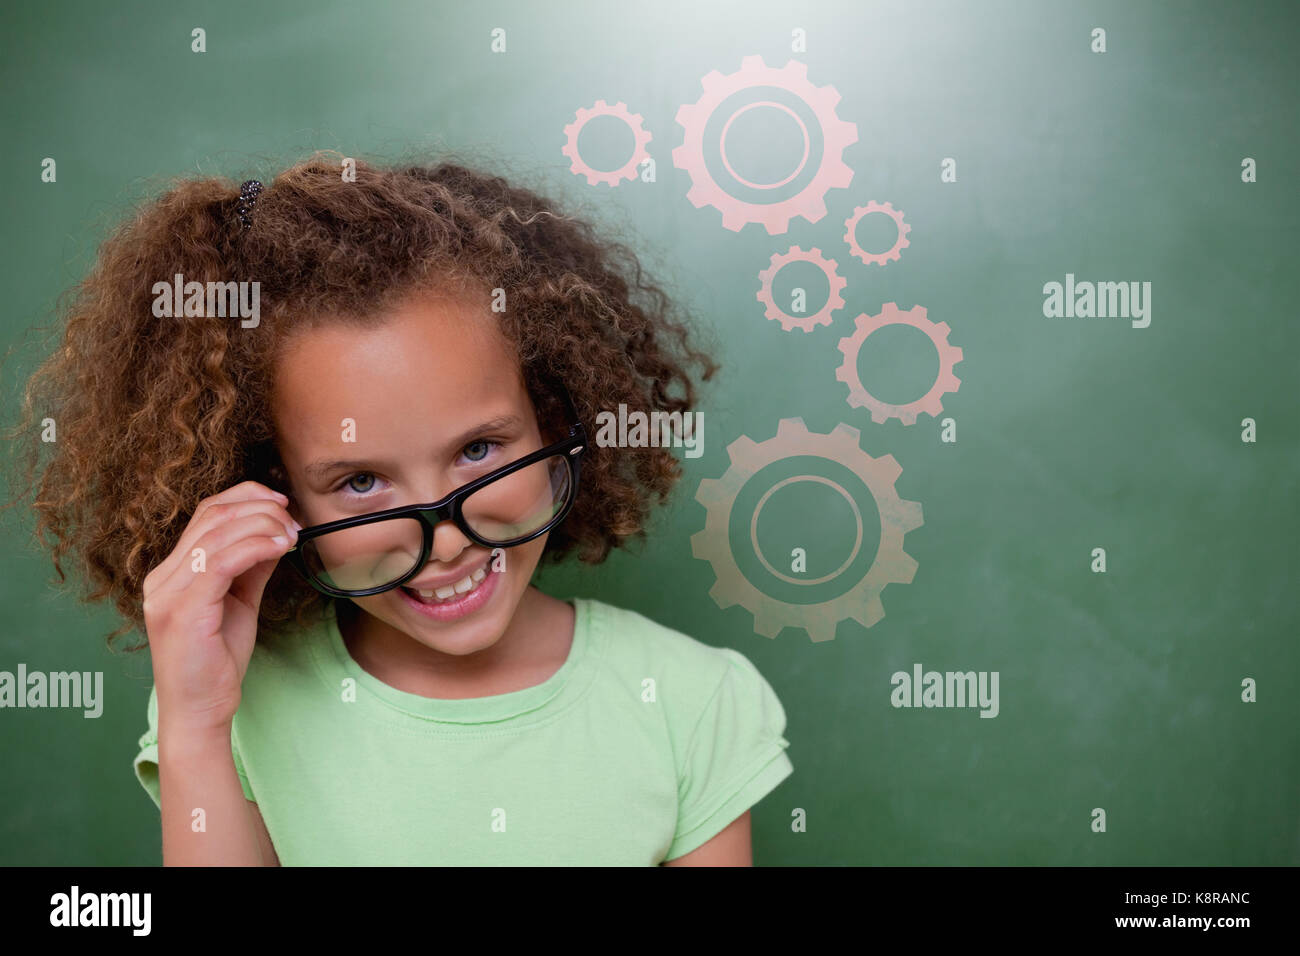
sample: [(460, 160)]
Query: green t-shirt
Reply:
[(643, 746)]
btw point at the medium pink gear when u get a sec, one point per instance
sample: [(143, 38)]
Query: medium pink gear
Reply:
[(851, 225), (582, 118), (862, 601), (890, 314), (810, 202), (806, 322)]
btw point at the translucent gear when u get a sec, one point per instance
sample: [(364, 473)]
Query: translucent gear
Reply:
[(861, 602), (613, 177), (851, 226), (834, 300), (809, 202), (890, 314)]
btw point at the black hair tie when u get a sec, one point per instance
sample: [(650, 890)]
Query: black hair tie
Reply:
[(248, 194)]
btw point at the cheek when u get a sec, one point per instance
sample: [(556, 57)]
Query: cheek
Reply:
[(521, 562)]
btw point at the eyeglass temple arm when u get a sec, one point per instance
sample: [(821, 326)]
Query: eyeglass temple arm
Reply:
[(568, 401)]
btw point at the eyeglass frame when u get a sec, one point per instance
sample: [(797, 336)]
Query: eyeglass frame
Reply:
[(449, 508)]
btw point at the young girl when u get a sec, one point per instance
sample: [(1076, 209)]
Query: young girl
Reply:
[(341, 677)]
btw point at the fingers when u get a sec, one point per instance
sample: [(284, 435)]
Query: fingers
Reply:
[(195, 593), (232, 573), (218, 542), (238, 500), (227, 513), (203, 575)]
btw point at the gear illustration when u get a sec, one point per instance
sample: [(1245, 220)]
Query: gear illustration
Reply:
[(834, 300), (861, 602), (582, 118), (890, 314), (809, 202), (851, 225)]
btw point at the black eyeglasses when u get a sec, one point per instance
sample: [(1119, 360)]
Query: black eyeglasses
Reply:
[(369, 554)]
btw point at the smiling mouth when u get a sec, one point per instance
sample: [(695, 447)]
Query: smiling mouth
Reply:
[(471, 582)]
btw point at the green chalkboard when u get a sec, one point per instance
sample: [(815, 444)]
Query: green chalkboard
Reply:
[(919, 455)]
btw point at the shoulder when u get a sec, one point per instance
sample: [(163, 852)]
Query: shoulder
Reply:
[(693, 678), (722, 722), (630, 638)]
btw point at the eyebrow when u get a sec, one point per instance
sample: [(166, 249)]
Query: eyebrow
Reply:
[(321, 468)]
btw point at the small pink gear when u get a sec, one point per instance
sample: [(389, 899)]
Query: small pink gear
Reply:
[(809, 202), (851, 225), (582, 118), (806, 322), (890, 314)]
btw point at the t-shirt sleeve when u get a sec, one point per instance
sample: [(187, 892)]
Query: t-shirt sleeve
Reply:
[(735, 757), (146, 759)]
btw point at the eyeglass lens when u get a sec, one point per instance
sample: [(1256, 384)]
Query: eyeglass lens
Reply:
[(373, 555)]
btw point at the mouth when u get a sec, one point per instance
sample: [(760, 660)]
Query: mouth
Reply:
[(451, 593), (459, 605)]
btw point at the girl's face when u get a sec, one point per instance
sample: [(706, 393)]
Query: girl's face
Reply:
[(405, 412)]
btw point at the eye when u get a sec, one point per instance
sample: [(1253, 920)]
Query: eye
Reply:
[(485, 445), (349, 484)]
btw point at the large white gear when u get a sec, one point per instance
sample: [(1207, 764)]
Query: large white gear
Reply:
[(861, 602)]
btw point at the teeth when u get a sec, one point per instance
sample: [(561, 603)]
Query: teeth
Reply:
[(466, 583)]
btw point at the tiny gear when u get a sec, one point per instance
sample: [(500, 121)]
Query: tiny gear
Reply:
[(851, 226), (834, 300), (809, 202), (890, 314), (861, 602), (614, 177)]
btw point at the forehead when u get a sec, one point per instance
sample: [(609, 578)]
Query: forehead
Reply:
[(430, 359)]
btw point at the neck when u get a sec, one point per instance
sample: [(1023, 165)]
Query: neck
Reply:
[(408, 664)]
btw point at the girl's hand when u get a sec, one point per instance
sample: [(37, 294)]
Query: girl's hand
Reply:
[(202, 624)]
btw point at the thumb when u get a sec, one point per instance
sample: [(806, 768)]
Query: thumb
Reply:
[(250, 585)]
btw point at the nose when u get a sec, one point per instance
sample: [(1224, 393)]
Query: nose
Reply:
[(448, 542)]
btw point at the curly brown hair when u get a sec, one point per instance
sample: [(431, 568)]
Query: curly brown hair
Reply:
[(153, 415)]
